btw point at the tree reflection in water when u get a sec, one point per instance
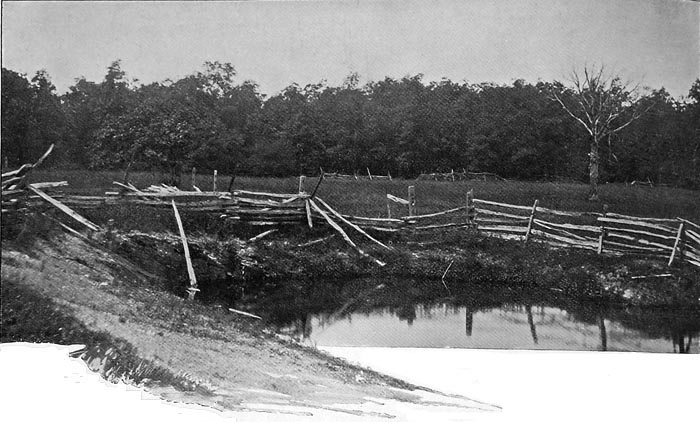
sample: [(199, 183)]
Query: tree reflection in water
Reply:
[(550, 321)]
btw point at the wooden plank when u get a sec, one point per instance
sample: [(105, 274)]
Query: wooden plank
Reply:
[(521, 230), (677, 243), (49, 185), (532, 217), (500, 204), (560, 232), (43, 157), (381, 229), (436, 214), (261, 235), (692, 255), (648, 219), (640, 232), (321, 177), (693, 235), (334, 212), (501, 214), (313, 242), (385, 220), (636, 223), (17, 173), (586, 244), (582, 227), (65, 209), (236, 311), (688, 222), (11, 181), (309, 219), (343, 234), (497, 221), (603, 231), (640, 241), (635, 247), (471, 211), (565, 213), (268, 194), (396, 199), (190, 270), (440, 226), (691, 248)]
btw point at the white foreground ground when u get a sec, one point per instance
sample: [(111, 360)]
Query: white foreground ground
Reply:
[(40, 382)]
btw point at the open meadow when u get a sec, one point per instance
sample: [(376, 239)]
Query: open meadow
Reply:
[(368, 198)]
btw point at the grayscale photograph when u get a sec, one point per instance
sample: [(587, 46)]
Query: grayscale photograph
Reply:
[(350, 210)]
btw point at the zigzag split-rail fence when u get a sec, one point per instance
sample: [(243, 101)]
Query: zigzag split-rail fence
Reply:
[(674, 240)]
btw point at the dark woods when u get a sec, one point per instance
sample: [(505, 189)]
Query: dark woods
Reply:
[(405, 127)]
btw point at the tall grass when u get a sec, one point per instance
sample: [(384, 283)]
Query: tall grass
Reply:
[(368, 198)]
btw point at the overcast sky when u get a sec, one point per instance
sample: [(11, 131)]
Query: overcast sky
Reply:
[(656, 42)]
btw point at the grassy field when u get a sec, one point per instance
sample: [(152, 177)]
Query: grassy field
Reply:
[(368, 198)]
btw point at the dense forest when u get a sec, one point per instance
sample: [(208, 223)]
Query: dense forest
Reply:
[(209, 120)]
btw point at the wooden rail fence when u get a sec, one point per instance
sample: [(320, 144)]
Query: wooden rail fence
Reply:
[(671, 239)]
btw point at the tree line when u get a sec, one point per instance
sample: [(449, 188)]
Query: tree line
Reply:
[(210, 120)]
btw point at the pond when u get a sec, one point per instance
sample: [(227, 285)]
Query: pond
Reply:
[(402, 314), (507, 327)]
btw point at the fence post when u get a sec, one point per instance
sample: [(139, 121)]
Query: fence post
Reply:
[(411, 201), (677, 244), (214, 189), (529, 223), (470, 207), (388, 174), (194, 171), (602, 231), (388, 206), (302, 179), (370, 174)]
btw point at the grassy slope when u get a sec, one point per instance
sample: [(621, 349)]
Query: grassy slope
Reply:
[(65, 290)]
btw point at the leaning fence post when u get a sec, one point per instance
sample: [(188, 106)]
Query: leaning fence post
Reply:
[(676, 244), (214, 182), (532, 218), (370, 174), (388, 206), (302, 179), (411, 201), (602, 231), (190, 270)]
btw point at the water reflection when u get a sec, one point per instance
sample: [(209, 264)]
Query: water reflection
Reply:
[(505, 327), (417, 313)]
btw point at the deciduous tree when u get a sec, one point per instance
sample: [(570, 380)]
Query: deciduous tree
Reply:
[(603, 105)]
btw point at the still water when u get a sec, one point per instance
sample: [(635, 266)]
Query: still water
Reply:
[(423, 314), (505, 327)]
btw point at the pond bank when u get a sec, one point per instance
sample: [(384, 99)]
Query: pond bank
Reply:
[(65, 290)]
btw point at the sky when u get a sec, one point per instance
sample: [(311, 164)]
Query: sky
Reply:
[(276, 43)]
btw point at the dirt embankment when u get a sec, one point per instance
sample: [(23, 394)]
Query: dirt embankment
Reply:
[(66, 290)]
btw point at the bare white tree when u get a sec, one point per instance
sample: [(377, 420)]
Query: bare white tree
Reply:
[(603, 105)]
